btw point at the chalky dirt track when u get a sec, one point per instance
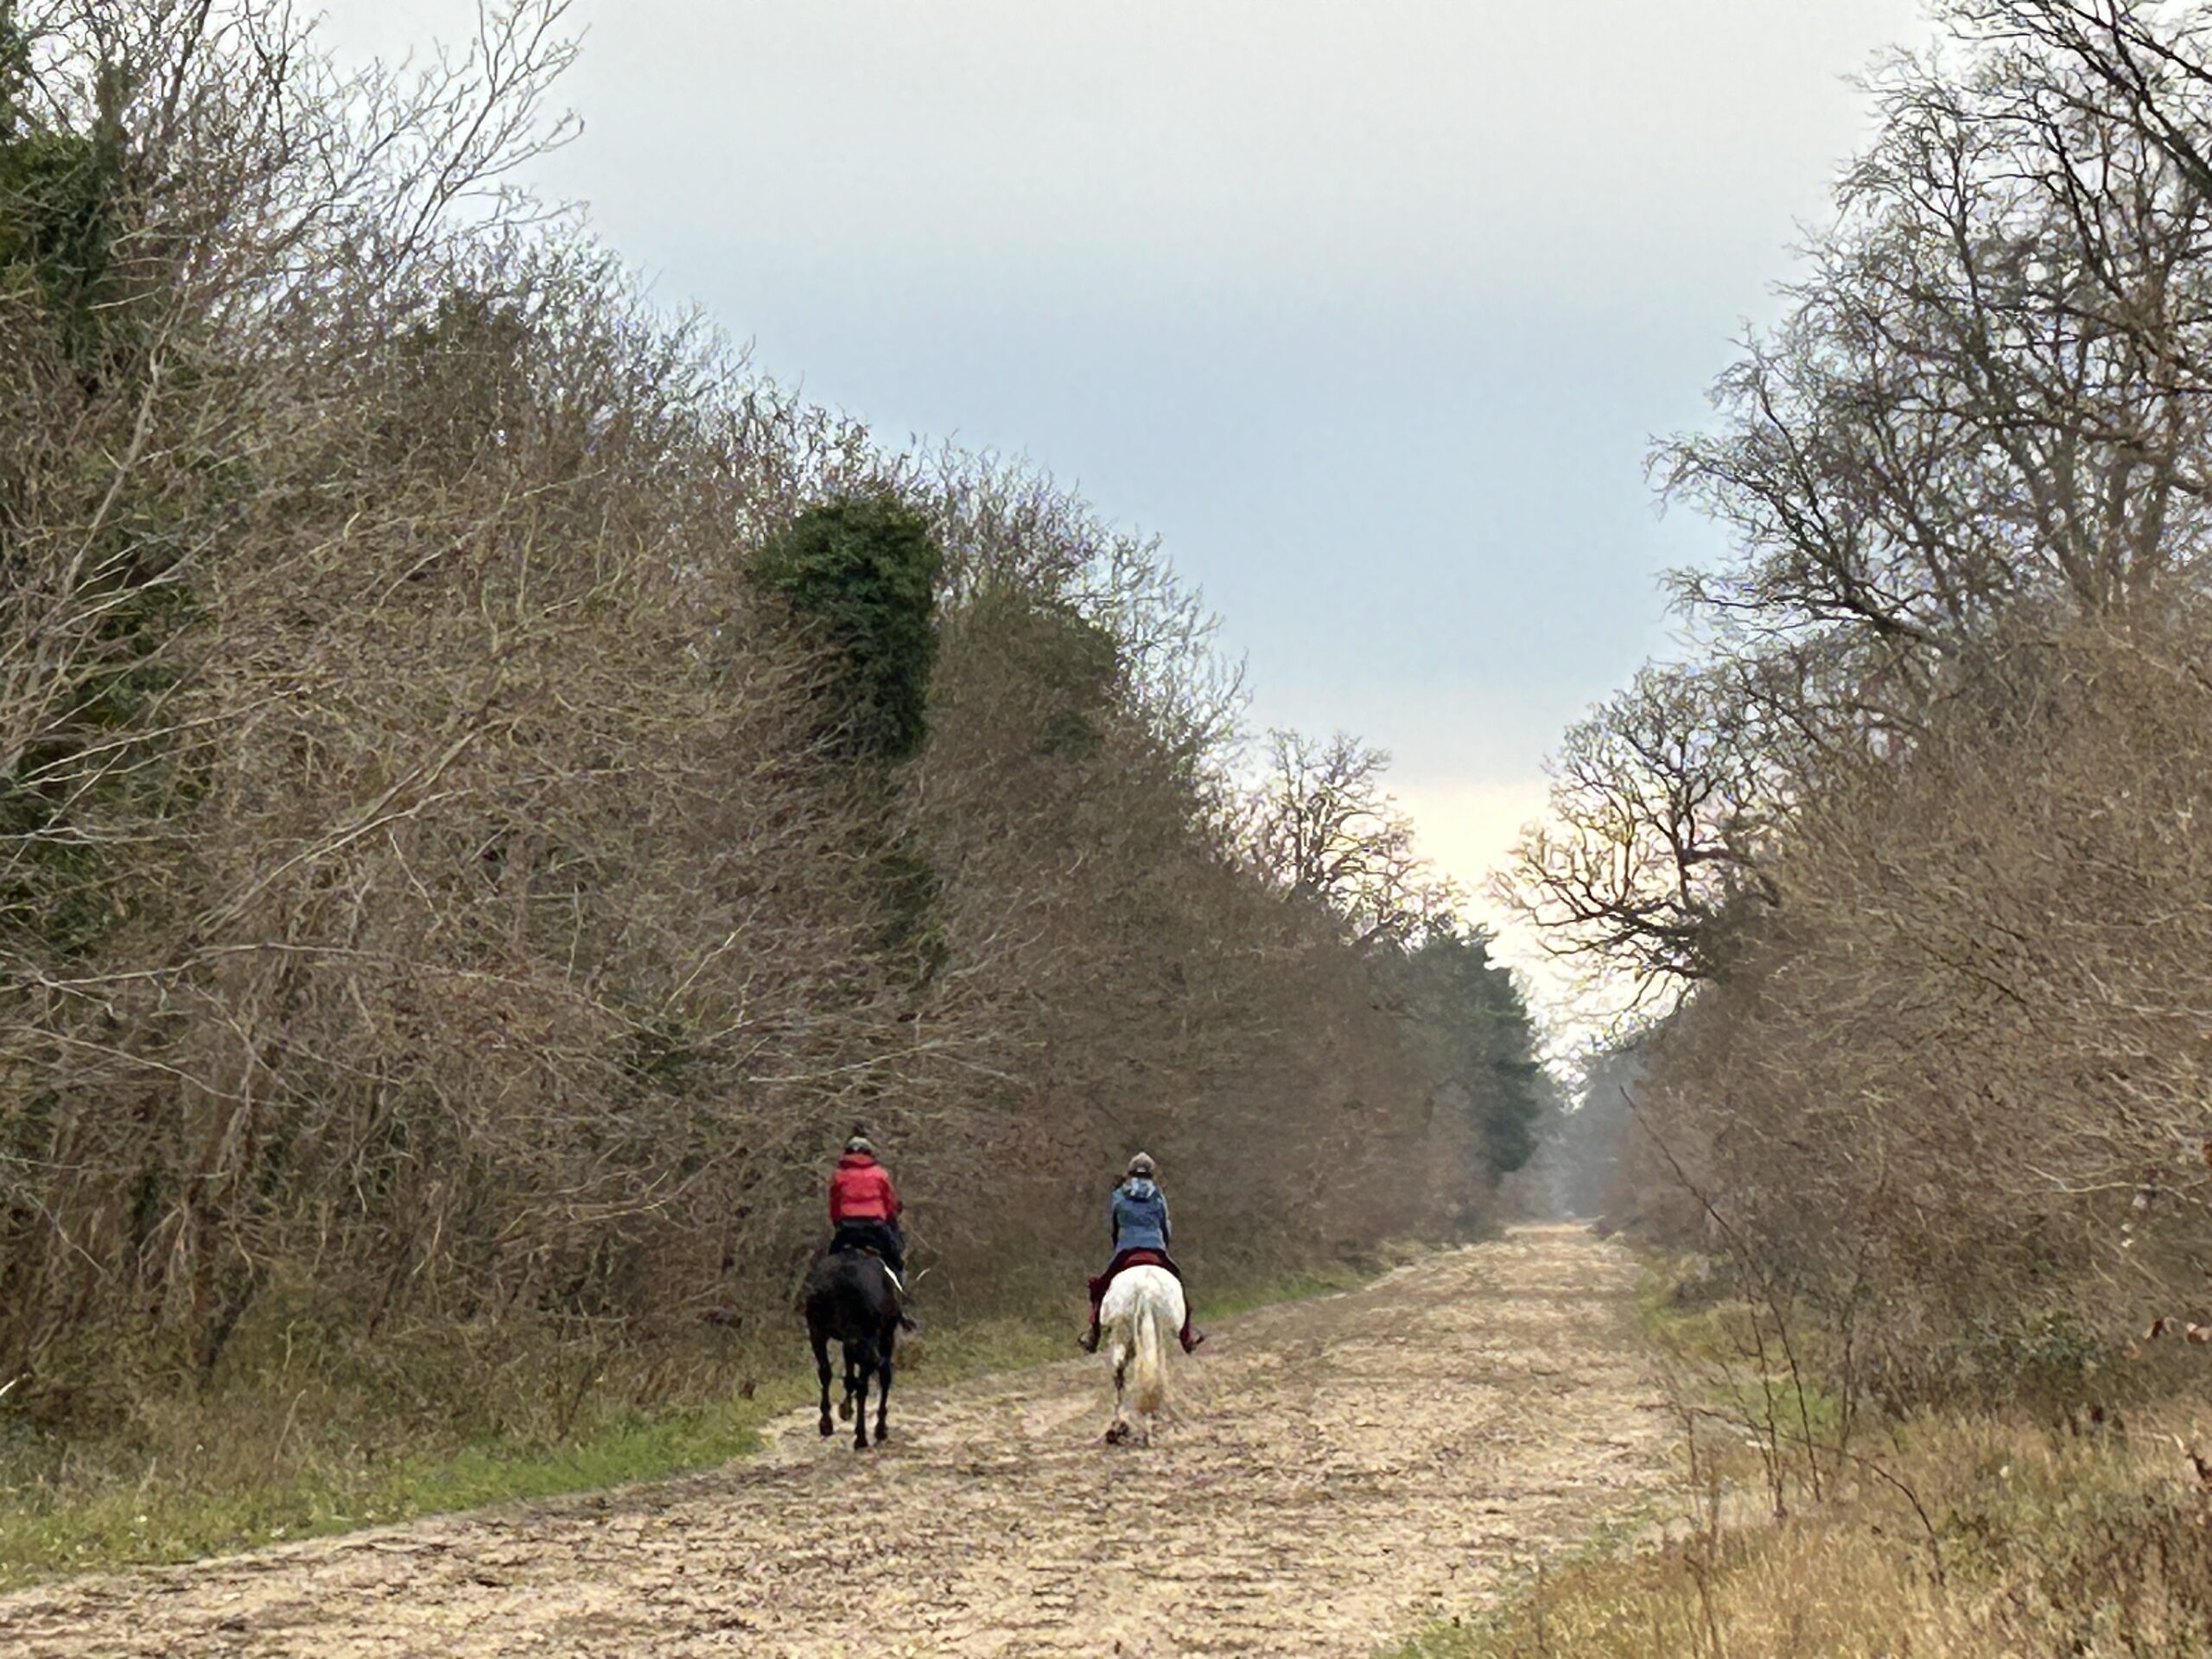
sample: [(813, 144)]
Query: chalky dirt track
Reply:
[(1336, 1473)]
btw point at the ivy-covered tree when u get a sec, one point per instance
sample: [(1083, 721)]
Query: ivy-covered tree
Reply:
[(78, 576), (863, 571), (59, 204)]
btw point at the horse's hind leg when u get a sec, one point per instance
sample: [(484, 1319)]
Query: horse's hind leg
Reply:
[(883, 1386), (821, 1341), (866, 1364), (1118, 1430), (852, 1382)]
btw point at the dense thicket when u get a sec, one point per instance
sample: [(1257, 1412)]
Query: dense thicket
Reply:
[(1909, 863), (492, 789)]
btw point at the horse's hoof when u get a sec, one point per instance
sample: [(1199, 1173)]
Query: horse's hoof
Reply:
[(845, 1410), (1117, 1433)]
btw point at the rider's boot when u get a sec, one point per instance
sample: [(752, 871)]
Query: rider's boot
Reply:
[(1189, 1337), (1089, 1340)]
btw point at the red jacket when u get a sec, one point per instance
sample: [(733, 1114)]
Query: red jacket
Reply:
[(861, 1190)]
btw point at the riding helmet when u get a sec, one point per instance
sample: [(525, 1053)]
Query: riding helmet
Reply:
[(860, 1143), (1142, 1165)]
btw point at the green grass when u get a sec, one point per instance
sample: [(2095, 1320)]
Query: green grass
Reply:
[(83, 1511), (271, 1460), (1243, 1295)]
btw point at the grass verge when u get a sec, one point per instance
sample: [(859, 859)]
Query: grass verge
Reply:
[(2040, 1543)]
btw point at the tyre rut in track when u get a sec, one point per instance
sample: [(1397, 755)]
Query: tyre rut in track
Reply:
[(1333, 1473)]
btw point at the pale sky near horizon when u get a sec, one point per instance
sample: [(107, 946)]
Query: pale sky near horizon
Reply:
[(1370, 310)]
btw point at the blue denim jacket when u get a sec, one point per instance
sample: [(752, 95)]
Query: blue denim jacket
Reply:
[(1139, 1216)]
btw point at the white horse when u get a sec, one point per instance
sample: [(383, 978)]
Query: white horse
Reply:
[(1142, 1311)]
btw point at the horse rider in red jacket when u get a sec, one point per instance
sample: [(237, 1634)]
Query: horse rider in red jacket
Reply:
[(864, 1210)]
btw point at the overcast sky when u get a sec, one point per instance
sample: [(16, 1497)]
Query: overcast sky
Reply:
[(1370, 307)]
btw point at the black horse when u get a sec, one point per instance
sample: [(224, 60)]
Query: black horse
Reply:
[(849, 1298)]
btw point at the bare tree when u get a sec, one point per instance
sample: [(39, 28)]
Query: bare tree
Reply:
[(1986, 402), (1322, 828), (1989, 386), (1662, 805)]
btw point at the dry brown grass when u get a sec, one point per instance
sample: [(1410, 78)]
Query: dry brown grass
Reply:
[(1958, 1532), (2043, 1543)]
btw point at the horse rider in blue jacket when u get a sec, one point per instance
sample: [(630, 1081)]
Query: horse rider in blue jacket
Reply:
[(1137, 1221)]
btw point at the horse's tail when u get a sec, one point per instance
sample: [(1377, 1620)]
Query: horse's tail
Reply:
[(1149, 1364)]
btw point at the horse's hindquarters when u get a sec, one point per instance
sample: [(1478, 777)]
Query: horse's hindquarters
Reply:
[(850, 1301), (1142, 1311), (1137, 1287)]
